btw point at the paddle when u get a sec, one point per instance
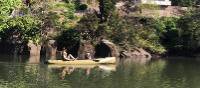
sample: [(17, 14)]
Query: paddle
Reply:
[(96, 60)]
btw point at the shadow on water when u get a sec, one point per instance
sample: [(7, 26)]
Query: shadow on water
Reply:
[(13, 58), (22, 59)]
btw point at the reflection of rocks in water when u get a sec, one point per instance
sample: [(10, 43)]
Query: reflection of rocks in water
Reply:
[(34, 52), (135, 60), (34, 59), (34, 49)]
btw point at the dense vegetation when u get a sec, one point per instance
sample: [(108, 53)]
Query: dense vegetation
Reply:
[(185, 2), (39, 21)]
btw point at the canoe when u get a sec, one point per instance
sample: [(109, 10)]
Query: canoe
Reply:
[(107, 60)]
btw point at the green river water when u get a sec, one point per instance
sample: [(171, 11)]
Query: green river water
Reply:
[(173, 73)]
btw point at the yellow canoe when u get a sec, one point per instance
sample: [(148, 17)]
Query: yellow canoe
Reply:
[(107, 60)]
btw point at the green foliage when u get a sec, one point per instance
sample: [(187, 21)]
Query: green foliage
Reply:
[(147, 35), (170, 34), (88, 26), (3, 23), (134, 32), (149, 6), (190, 31), (153, 34), (181, 36), (7, 6), (61, 15), (123, 31), (68, 38), (107, 7), (55, 15), (185, 2), (24, 28), (80, 6), (118, 26)]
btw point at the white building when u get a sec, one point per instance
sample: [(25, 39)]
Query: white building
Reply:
[(157, 2)]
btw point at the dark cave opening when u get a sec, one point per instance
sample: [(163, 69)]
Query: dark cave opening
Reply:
[(102, 51)]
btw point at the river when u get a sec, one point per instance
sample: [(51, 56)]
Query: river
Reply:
[(160, 73)]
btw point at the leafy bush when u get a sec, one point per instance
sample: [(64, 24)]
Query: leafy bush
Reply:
[(68, 39), (106, 7), (181, 35), (88, 26), (23, 28), (169, 34), (190, 31), (134, 32), (184, 2), (61, 15), (7, 6)]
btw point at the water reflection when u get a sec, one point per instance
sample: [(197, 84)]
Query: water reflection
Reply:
[(34, 59), (18, 75), (135, 60), (87, 69), (170, 73)]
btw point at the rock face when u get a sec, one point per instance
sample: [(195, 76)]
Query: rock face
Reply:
[(84, 48), (34, 49), (106, 48), (135, 53), (51, 48), (34, 52)]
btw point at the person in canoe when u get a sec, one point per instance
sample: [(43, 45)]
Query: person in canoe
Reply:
[(88, 56), (67, 57)]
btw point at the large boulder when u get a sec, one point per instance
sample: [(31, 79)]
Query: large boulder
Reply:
[(135, 53), (105, 48), (51, 48), (34, 50)]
